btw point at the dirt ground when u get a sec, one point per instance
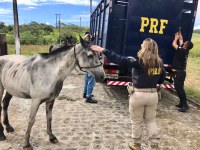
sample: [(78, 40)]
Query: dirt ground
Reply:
[(102, 126)]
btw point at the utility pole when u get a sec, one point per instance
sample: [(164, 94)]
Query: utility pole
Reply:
[(16, 28), (58, 25), (90, 13), (90, 7), (59, 29), (57, 20), (3, 45), (80, 21)]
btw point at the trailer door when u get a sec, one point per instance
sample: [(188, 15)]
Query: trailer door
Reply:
[(156, 19)]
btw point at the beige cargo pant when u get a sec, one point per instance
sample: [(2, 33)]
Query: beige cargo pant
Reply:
[(142, 108)]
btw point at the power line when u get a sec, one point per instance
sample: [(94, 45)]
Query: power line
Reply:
[(57, 19), (58, 25), (90, 7), (59, 29), (80, 21), (45, 8)]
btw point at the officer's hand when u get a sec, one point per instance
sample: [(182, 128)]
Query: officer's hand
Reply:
[(176, 37), (97, 48)]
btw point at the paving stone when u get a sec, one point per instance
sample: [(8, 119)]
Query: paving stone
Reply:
[(103, 126)]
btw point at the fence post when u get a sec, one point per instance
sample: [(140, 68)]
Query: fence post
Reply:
[(3, 45)]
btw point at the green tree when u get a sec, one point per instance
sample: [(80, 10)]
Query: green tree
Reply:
[(10, 28), (197, 31), (2, 27), (40, 33)]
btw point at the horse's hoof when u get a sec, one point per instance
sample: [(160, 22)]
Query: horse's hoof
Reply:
[(54, 140), (27, 147), (2, 137), (9, 129)]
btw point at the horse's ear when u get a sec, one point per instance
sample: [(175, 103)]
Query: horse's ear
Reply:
[(83, 43)]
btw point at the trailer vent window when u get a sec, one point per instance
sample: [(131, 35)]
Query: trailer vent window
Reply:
[(188, 1), (121, 2), (186, 11), (110, 4)]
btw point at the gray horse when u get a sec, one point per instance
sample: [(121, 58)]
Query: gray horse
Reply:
[(40, 78)]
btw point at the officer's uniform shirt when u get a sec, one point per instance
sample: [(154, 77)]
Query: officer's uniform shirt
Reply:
[(139, 77), (180, 59)]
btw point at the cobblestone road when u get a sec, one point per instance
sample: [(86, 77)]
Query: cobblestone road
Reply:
[(103, 126)]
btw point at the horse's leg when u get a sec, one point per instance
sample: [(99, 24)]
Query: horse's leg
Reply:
[(6, 102), (49, 107), (2, 136), (34, 108)]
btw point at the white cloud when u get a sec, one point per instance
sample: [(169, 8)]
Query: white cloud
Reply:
[(23, 2), (47, 23), (7, 21), (29, 8), (76, 18), (197, 19), (197, 27), (4, 11), (51, 2), (74, 2)]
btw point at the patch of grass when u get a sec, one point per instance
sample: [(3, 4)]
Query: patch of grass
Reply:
[(192, 86), (192, 83), (193, 94), (29, 49), (195, 52)]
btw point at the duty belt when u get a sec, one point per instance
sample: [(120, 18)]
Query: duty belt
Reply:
[(148, 90), (174, 70)]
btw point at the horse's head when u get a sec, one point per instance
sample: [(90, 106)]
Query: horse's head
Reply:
[(68, 40), (88, 60)]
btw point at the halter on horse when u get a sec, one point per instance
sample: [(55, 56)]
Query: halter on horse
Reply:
[(40, 77)]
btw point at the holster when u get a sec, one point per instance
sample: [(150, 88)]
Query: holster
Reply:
[(130, 88)]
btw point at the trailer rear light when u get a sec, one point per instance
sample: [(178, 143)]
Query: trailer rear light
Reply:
[(167, 65), (111, 71), (106, 61)]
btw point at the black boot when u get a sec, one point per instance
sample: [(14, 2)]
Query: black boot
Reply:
[(179, 105), (183, 108), (90, 100), (84, 95)]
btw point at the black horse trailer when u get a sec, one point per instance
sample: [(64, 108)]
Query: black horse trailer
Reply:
[(122, 25)]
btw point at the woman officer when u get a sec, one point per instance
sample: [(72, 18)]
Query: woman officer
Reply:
[(147, 72)]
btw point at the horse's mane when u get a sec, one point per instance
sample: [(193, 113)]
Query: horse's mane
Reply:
[(63, 48)]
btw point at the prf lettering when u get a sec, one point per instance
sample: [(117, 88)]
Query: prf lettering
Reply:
[(153, 23), (154, 71)]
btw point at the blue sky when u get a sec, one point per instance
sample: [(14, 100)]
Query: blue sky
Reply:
[(43, 11)]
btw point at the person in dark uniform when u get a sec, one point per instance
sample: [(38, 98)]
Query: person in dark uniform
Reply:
[(179, 68), (147, 72)]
